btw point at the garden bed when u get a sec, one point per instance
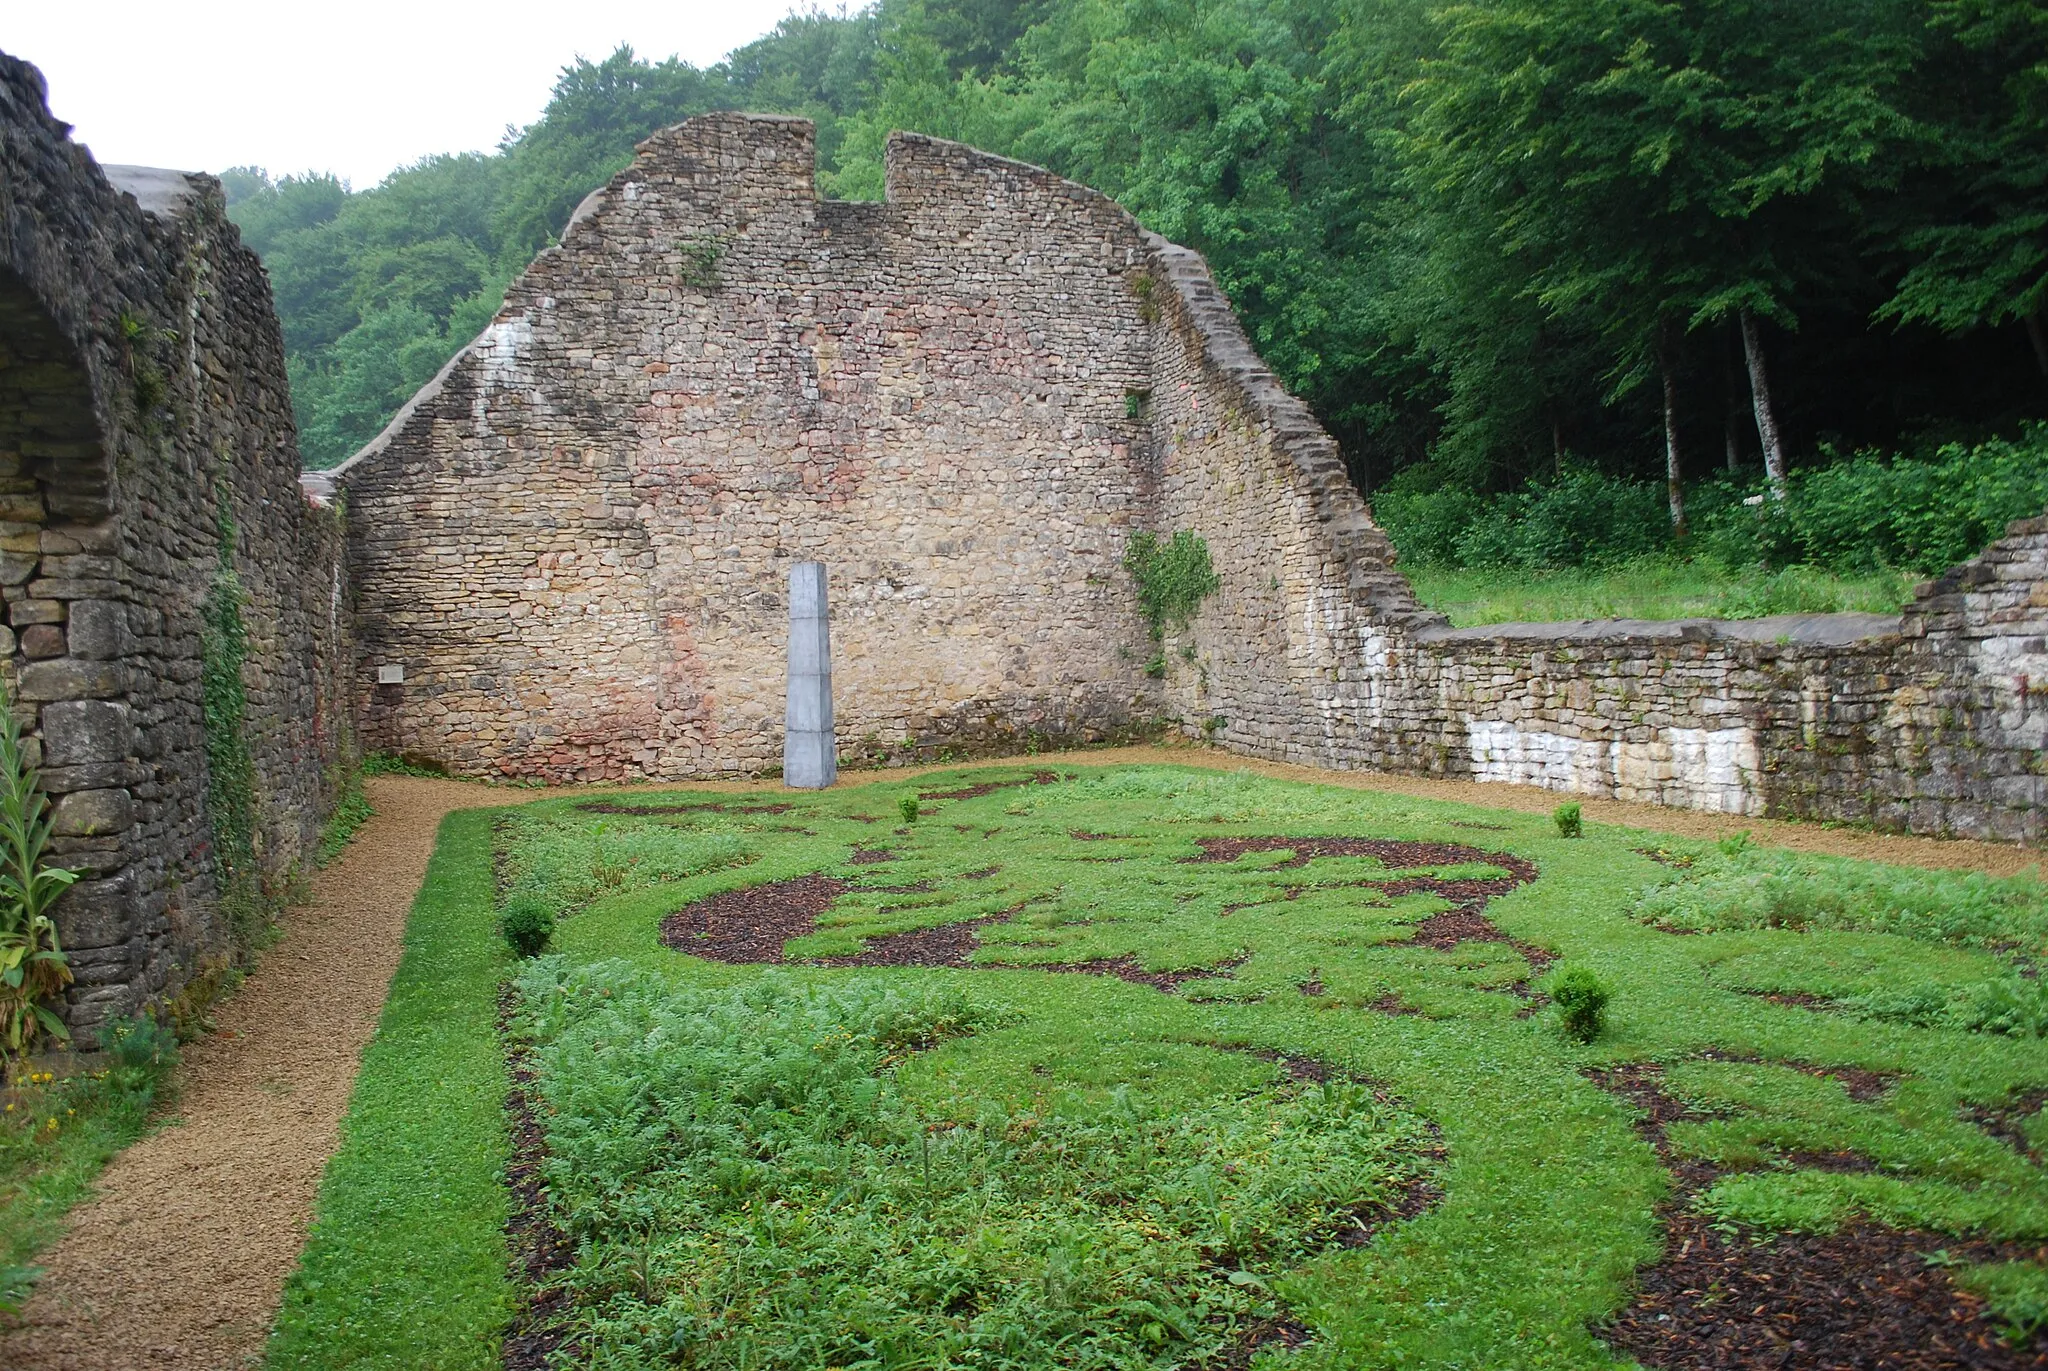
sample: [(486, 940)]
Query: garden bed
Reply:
[(1156, 1066)]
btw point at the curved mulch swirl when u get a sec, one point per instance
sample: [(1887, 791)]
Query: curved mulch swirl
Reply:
[(1861, 1299), (749, 926)]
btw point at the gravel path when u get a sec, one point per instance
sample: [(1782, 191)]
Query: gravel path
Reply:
[(180, 1259)]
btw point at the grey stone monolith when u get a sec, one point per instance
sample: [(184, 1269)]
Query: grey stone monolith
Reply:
[(810, 754)]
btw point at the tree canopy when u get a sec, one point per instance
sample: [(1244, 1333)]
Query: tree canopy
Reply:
[(1486, 240)]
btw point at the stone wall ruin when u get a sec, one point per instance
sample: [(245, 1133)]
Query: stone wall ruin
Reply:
[(147, 449), (569, 550)]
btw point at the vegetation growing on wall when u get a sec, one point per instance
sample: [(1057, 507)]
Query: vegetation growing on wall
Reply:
[(1173, 578), (230, 770)]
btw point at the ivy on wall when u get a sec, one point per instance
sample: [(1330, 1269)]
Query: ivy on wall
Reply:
[(1173, 578), (230, 770)]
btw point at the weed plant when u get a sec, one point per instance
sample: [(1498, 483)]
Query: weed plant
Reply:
[(815, 1165)]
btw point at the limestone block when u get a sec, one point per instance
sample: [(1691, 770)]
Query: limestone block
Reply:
[(89, 813), (98, 629), (95, 914), (66, 678)]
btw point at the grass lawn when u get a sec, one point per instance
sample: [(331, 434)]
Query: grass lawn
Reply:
[(55, 1135), (1651, 588), (1165, 1067)]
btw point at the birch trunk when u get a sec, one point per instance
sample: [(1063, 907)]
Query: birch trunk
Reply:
[(1674, 475), (1766, 416)]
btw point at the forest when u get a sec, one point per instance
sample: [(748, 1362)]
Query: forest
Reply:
[(1753, 285)]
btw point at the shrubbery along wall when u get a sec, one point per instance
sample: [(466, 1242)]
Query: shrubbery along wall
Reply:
[(571, 549), (149, 486)]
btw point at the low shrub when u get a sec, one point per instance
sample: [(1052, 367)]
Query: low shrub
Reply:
[(907, 806), (1849, 516), (528, 923), (1569, 822), (1581, 1002)]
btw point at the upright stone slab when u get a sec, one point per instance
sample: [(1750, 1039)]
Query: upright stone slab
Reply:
[(810, 755)]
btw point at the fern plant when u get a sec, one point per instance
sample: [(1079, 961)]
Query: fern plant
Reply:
[(33, 969)]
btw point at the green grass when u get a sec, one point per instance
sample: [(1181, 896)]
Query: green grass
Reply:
[(1650, 588), (56, 1134), (405, 1265), (808, 1166)]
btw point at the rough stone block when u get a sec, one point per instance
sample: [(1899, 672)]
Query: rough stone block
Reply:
[(90, 813), (95, 914), (41, 641), (99, 629), (66, 678)]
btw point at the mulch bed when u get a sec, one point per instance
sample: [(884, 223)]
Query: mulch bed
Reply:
[(981, 788), (539, 1249), (1861, 1299), (2003, 1122), (751, 925)]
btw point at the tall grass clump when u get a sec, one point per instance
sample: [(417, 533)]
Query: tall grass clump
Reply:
[(752, 1188)]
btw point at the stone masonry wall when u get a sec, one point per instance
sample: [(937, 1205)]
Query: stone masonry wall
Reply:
[(1315, 650), (575, 544), (145, 420), (572, 546)]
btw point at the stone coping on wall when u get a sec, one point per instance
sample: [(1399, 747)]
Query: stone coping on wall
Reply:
[(1802, 630)]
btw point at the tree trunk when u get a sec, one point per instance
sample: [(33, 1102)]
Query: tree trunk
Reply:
[(1674, 476), (1766, 416), (1731, 402), (1556, 447), (2038, 336)]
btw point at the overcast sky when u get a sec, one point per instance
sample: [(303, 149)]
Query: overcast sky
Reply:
[(355, 87)]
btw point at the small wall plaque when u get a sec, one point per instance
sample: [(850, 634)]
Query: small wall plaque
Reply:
[(391, 673)]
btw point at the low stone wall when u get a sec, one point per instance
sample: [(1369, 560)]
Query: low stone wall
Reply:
[(1315, 650), (148, 467)]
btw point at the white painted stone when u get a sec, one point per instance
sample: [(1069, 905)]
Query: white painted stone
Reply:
[(810, 755)]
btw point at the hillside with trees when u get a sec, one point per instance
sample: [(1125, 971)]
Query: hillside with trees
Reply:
[(1752, 284)]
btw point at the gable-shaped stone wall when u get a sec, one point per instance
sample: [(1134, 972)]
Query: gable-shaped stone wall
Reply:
[(146, 446), (572, 546), (575, 544)]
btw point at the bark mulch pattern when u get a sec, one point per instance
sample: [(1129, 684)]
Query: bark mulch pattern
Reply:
[(539, 1249), (750, 925), (1861, 1299), (1127, 968), (981, 788), (1464, 922), (1861, 1083), (2003, 1121), (945, 945)]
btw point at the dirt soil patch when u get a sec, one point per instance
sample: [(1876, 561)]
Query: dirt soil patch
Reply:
[(539, 1249), (1861, 1299), (181, 1258)]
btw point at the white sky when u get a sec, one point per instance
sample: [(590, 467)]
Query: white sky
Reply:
[(357, 87)]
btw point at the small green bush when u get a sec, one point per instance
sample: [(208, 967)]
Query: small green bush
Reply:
[(528, 924), (1568, 820), (1581, 1003), (907, 807)]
